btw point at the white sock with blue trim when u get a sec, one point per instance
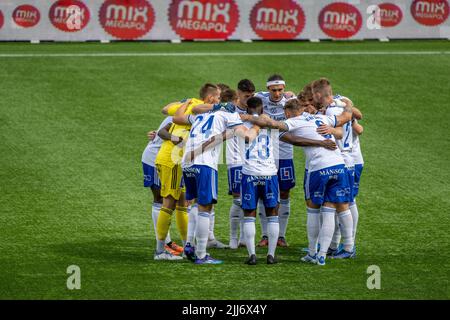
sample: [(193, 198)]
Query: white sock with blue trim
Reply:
[(201, 234), (327, 229), (250, 232), (313, 229), (273, 230)]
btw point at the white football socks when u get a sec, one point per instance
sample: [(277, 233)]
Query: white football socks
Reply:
[(212, 220), (192, 222), (337, 233), (249, 232), (313, 229), (283, 214), (273, 230), (201, 234), (327, 229), (235, 220), (355, 216), (346, 223)]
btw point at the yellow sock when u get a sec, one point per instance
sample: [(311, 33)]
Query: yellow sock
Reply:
[(182, 221), (163, 224)]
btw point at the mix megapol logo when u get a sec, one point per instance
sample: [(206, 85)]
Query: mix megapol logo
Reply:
[(340, 20), (203, 19), (430, 12), (26, 16), (131, 19), (282, 19), (390, 15), (1, 19), (69, 15)]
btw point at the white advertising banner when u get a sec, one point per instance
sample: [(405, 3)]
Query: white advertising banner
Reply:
[(82, 20)]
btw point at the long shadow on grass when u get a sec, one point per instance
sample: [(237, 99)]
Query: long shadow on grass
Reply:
[(140, 250), (119, 250)]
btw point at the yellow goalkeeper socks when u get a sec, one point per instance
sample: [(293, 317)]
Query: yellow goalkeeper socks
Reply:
[(163, 224), (182, 221)]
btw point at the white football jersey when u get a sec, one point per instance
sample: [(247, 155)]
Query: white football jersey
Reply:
[(305, 126), (356, 151), (150, 152), (275, 110), (346, 143), (260, 154), (234, 156), (205, 126)]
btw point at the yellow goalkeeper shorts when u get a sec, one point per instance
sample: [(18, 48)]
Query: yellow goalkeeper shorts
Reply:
[(171, 180)]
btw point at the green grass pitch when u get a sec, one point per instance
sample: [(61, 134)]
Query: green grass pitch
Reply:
[(72, 131)]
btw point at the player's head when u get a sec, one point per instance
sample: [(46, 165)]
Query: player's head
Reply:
[(223, 86), (322, 92), (293, 108), (276, 85), (246, 90), (210, 93), (254, 106), (228, 95), (306, 102)]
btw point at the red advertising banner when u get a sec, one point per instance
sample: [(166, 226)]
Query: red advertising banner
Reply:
[(390, 15), (204, 19), (430, 12), (26, 16), (340, 20), (284, 19), (69, 15)]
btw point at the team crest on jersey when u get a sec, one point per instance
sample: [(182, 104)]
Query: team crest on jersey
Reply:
[(286, 173), (247, 197)]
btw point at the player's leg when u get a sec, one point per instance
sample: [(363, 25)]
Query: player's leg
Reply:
[(212, 241), (344, 182), (269, 194), (190, 182), (263, 220), (207, 184), (182, 219), (170, 194), (249, 200), (353, 206), (236, 212), (286, 179)]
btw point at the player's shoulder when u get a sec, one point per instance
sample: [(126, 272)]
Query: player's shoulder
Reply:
[(195, 101), (262, 94)]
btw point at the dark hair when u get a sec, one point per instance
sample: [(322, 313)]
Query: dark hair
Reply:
[(307, 90), (293, 104), (320, 84), (246, 85), (207, 89), (228, 95), (223, 86), (254, 102), (275, 77)]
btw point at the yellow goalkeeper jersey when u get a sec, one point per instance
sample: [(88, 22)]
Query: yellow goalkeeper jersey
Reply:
[(170, 154)]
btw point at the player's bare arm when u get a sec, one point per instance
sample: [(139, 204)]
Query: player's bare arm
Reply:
[(264, 121), (337, 132), (151, 135), (303, 142), (345, 116), (180, 117), (357, 128), (165, 134)]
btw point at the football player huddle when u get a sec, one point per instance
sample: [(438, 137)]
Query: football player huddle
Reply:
[(260, 129)]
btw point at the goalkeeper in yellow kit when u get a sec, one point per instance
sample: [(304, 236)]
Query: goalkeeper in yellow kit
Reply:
[(168, 164)]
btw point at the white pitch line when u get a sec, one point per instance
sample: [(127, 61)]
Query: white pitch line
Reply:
[(219, 54)]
